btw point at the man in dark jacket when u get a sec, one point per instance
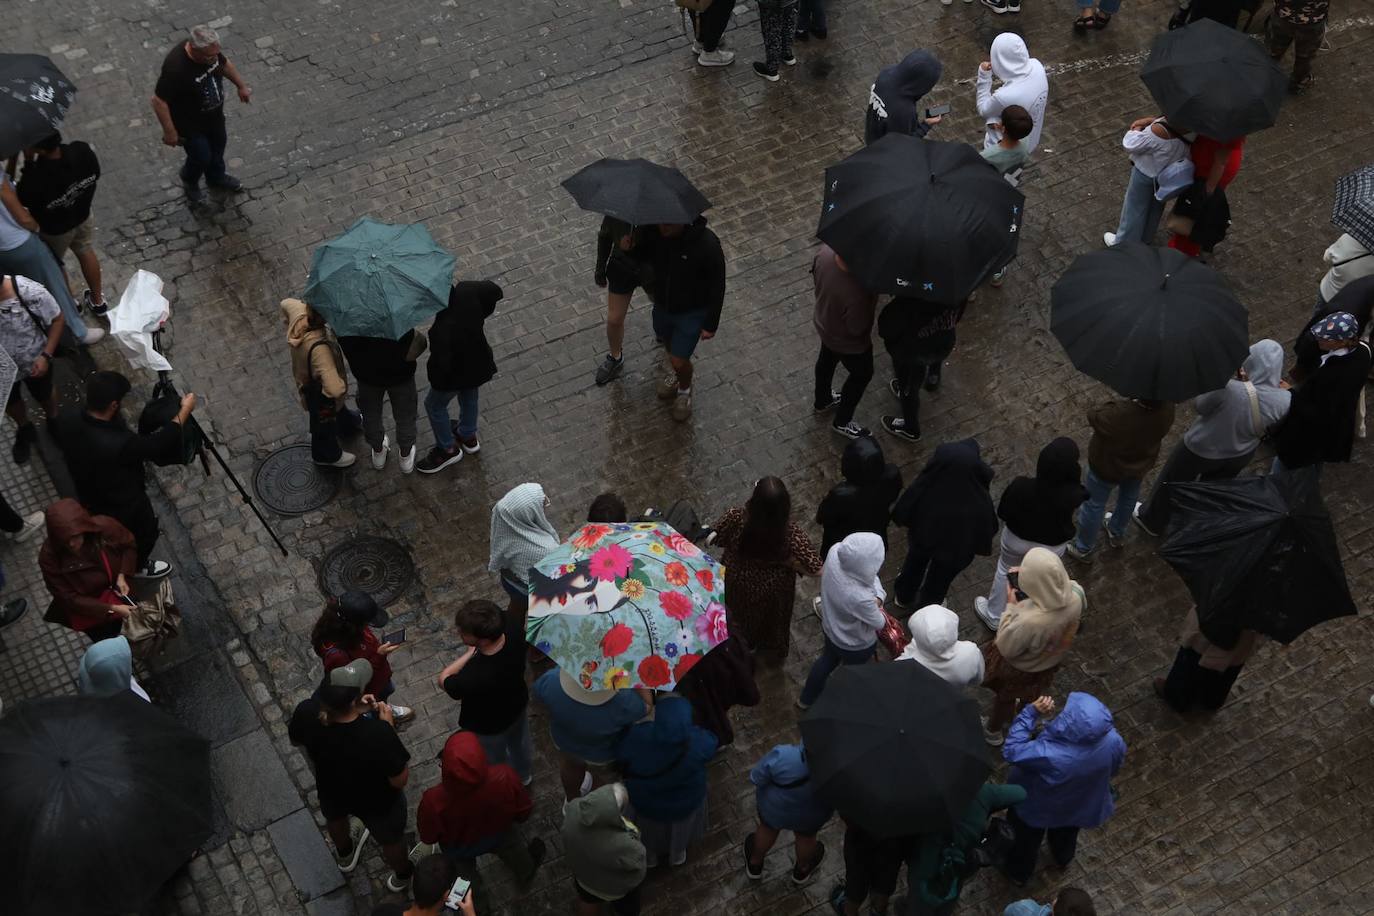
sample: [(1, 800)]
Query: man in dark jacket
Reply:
[(58, 186), (386, 369), (460, 361), (105, 459), (918, 336), (863, 500), (1124, 446), (1320, 425), (844, 323), (689, 292)]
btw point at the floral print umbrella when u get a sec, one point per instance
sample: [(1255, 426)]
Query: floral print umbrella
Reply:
[(627, 605)]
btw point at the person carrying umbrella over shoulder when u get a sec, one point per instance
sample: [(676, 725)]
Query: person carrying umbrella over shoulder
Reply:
[(460, 361), (317, 366), (1125, 443), (621, 250), (1067, 773), (1044, 607), (1321, 421), (851, 609), (688, 294), (1227, 432)]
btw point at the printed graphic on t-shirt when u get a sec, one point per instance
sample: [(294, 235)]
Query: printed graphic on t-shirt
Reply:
[(211, 90)]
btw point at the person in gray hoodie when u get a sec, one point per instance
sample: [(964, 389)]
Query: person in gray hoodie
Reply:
[(603, 852), (851, 609), (1230, 423)]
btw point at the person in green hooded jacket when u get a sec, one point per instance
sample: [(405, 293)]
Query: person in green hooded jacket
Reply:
[(934, 888), (604, 852)]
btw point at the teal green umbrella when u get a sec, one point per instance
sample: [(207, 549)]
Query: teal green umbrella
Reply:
[(379, 280)]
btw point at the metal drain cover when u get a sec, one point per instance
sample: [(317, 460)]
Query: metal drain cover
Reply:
[(380, 567), (289, 483)]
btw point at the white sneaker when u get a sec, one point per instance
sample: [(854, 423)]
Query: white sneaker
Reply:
[(946, 2), (402, 713), (343, 461), (716, 58), (586, 784), (1109, 239), (93, 336), (980, 608), (379, 458), (359, 834), (153, 569), (396, 884), (408, 461), (33, 526)]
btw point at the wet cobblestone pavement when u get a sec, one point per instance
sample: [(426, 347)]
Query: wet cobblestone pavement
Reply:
[(466, 116)]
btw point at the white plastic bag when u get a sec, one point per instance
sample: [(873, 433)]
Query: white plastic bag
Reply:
[(141, 310)]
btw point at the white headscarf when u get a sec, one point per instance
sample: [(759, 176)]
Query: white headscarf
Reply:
[(521, 535)]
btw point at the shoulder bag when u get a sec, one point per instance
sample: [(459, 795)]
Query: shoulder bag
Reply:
[(152, 622)]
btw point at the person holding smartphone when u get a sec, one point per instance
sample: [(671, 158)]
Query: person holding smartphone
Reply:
[(894, 99), (344, 633), (435, 884), (86, 561)]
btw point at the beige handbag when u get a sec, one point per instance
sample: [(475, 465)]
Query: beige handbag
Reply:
[(151, 622)]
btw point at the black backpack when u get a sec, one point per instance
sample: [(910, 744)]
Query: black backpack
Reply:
[(160, 410)]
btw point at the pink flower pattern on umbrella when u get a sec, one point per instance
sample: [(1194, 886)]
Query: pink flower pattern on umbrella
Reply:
[(611, 562)]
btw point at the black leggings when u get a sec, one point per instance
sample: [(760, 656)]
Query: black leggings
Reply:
[(711, 24)]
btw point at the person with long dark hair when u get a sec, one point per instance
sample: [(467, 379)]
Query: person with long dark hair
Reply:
[(343, 632), (765, 551)]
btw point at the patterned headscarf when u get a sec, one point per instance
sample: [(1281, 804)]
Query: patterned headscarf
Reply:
[(1337, 326), (521, 535)]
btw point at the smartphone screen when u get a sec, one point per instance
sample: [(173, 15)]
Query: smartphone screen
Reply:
[(395, 638), (458, 894), (937, 111), (127, 600)]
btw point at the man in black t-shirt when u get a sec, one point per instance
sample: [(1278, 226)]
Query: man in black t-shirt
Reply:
[(189, 104), (489, 680), (58, 186), (360, 768)]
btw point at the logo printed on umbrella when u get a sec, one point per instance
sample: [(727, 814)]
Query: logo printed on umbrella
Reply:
[(901, 282), (42, 94)]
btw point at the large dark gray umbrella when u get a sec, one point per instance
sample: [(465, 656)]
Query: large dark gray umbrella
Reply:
[(637, 191), (1214, 80), (102, 799), (1353, 210), (919, 218), (34, 98), (894, 748), (1257, 553), (1149, 322)]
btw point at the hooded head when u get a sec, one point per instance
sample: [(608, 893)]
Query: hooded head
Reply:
[(600, 809), (862, 463), (1083, 720), (849, 580), (959, 459), (934, 631), (1045, 580), (107, 668), (463, 764), (68, 520), (1264, 365), (1058, 463), (907, 81), (1010, 59), (297, 316), (521, 534)]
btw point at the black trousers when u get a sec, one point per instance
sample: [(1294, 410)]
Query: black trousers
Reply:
[(9, 519), (1185, 466), (910, 376), (860, 369), (1190, 684), (1025, 848), (926, 575), (142, 523), (711, 24)]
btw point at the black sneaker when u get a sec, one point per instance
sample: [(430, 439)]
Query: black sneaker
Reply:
[(802, 35), (932, 382), (154, 569), (828, 405), (998, 6), (897, 426), (438, 459), (801, 875), (24, 438), (765, 71), (610, 368), (227, 183), (851, 430)]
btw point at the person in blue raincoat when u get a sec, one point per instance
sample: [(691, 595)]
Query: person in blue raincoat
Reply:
[(1066, 771), (786, 800), (663, 760)]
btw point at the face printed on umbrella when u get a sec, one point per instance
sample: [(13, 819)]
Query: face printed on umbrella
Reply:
[(577, 593)]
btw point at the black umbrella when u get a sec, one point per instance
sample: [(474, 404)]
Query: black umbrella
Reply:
[(637, 191), (1149, 322), (102, 799), (34, 98), (1214, 80), (1257, 553), (919, 218), (1353, 209), (894, 748)]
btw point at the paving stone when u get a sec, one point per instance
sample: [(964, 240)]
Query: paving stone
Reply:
[(204, 693), (302, 849), (252, 782)]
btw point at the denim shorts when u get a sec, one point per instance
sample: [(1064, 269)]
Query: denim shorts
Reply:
[(680, 331)]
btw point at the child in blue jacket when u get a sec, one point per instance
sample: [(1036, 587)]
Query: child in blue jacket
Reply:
[(786, 801)]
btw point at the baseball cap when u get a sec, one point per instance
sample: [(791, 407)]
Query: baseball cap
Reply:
[(359, 607), (357, 673)]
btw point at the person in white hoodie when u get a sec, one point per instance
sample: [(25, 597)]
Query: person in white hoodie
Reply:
[(1023, 83), (851, 609), (1349, 261), (935, 643)]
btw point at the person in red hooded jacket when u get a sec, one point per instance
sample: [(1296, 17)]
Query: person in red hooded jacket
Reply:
[(474, 810)]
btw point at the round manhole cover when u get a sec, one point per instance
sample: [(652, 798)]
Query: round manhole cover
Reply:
[(290, 483), (379, 566)]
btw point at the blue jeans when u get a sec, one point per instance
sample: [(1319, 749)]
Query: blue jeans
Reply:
[(811, 15), (205, 155), (1091, 513), (512, 746), (436, 408), (1140, 212), (832, 657)]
